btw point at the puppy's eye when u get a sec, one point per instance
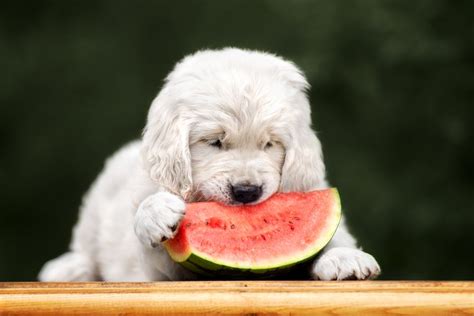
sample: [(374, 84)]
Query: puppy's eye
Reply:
[(268, 145), (216, 143)]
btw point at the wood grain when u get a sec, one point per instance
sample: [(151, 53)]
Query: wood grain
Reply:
[(239, 297)]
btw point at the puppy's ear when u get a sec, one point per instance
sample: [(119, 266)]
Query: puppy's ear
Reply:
[(303, 169), (295, 77), (165, 148)]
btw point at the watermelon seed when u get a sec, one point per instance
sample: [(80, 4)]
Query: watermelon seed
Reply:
[(232, 226), (292, 227), (291, 223), (265, 220), (296, 218), (263, 237)]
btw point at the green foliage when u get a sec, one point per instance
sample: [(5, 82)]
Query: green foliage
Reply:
[(392, 92)]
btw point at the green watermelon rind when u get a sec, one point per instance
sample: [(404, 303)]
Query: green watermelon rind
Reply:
[(194, 268), (196, 264), (204, 264)]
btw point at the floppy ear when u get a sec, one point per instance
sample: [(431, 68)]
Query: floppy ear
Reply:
[(303, 169), (165, 148)]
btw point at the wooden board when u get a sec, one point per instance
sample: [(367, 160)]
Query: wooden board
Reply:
[(239, 297)]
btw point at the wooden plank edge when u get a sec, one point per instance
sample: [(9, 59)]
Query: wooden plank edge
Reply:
[(240, 297)]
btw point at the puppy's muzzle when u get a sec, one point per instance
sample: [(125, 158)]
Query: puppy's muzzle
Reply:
[(246, 193)]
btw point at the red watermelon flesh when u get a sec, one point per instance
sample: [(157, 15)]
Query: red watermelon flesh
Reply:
[(280, 232)]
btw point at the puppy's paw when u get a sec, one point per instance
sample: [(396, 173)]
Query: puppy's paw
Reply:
[(343, 263), (158, 217)]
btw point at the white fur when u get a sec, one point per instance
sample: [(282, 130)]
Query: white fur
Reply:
[(156, 216), (345, 263), (255, 105)]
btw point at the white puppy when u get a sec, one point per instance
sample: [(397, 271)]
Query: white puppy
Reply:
[(229, 125)]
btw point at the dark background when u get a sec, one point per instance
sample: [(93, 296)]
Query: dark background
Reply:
[(392, 95)]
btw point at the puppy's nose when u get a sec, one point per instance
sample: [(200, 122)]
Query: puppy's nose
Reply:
[(246, 193)]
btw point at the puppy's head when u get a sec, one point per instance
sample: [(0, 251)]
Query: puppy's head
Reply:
[(232, 126)]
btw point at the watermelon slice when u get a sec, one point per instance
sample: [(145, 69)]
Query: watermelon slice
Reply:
[(263, 239)]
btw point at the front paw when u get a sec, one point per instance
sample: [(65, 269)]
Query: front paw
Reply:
[(343, 263), (158, 217)]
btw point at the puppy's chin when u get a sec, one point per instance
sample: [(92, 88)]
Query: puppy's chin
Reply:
[(202, 197)]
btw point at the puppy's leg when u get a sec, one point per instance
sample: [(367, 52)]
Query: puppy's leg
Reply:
[(341, 260), (69, 267), (156, 220), (80, 263), (77, 264)]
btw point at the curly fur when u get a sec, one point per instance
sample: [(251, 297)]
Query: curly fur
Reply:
[(223, 117)]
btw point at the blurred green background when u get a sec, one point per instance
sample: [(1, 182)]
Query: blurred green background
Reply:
[(392, 95)]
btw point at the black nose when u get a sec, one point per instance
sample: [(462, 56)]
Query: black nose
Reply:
[(246, 193)]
